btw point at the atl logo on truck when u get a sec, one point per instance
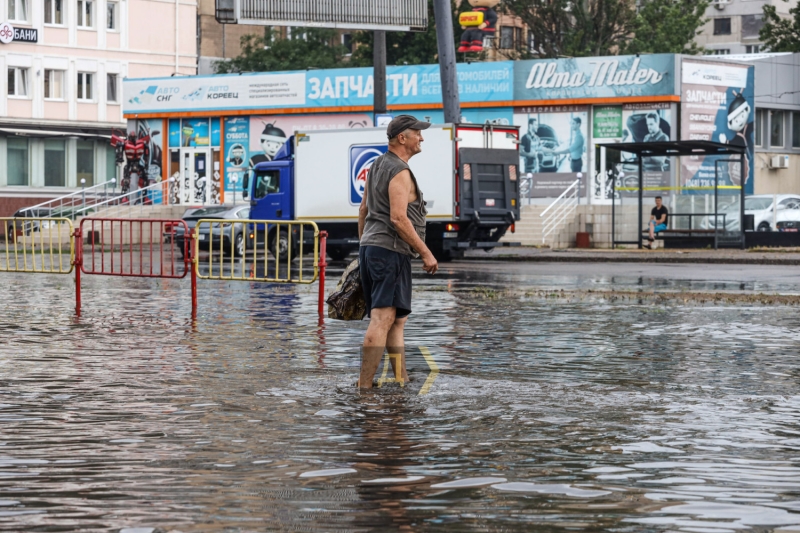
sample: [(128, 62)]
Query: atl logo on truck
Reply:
[(361, 158)]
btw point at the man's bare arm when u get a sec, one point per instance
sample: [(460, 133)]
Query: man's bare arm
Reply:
[(362, 213), (400, 188)]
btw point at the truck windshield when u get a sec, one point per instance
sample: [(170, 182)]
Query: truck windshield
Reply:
[(266, 182)]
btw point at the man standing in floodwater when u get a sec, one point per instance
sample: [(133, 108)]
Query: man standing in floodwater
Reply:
[(391, 227)]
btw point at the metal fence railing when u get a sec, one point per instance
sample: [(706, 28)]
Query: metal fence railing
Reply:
[(37, 244), (560, 211), (247, 250), (257, 250)]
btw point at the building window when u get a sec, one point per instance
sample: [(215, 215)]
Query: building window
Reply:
[(84, 86), (531, 42), (751, 26), (517, 38), (55, 163), (719, 52), (111, 163), (18, 10), (85, 14), (18, 160), (506, 37), (752, 48), (776, 129), (760, 127), (111, 16), (722, 26), (54, 84), (111, 88), (53, 12), (796, 129), (85, 161), (17, 82), (347, 42)]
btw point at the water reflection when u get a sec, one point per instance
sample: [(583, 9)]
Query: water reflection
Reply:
[(589, 415)]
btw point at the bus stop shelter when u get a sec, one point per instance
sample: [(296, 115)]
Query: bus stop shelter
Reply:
[(711, 211)]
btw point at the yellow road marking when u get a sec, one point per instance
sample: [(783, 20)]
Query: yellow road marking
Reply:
[(434, 370), (383, 379)]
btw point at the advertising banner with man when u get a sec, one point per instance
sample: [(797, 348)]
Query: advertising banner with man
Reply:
[(236, 157), (717, 104), (631, 123), (552, 148)]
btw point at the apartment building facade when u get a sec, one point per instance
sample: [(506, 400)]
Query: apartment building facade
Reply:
[(62, 85), (732, 26)]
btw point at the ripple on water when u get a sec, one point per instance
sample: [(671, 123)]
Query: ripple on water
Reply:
[(248, 414)]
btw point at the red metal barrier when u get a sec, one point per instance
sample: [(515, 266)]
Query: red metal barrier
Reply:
[(146, 248), (136, 247), (323, 263), (142, 248)]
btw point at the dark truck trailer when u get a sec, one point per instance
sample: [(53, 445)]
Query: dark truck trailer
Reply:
[(468, 174)]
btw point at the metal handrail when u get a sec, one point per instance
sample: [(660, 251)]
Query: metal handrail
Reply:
[(562, 207), (116, 199), (574, 184), (61, 199)]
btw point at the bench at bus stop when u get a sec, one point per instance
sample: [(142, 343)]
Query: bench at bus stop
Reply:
[(690, 234)]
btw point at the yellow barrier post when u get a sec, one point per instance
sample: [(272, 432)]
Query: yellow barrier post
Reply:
[(228, 239), (21, 232)]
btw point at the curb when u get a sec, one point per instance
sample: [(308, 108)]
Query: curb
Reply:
[(558, 258)]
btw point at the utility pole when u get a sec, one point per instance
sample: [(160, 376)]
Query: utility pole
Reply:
[(379, 72), (447, 61)]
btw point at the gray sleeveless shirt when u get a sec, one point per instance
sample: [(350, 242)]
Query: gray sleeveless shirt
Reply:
[(379, 230)]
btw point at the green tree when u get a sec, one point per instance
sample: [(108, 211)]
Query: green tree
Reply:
[(314, 47), (569, 28), (412, 48), (781, 34), (548, 20), (667, 26), (579, 28)]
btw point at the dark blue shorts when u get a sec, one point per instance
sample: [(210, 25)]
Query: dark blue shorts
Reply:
[(386, 279)]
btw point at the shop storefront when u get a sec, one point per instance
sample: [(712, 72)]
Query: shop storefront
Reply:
[(567, 110)]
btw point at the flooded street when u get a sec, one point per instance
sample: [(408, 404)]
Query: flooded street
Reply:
[(568, 411)]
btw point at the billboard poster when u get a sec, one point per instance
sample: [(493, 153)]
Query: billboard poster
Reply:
[(594, 77), (406, 84), (196, 93), (236, 157), (269, 132), (149, 130), (717, 104), (638, 123), (552, 148)]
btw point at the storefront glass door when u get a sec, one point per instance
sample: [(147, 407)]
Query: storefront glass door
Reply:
[(194, 180)]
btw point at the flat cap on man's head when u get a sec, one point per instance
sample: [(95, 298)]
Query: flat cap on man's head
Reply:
[(401, 123)]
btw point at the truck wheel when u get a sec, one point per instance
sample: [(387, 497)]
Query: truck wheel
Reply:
[(338, 254)]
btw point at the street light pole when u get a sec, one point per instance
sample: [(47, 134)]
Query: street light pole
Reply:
[(447, 61)]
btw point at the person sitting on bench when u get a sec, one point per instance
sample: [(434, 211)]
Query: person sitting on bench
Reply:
[(658, 221)]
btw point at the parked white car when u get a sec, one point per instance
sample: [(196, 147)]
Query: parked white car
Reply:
[(760, 206), (788, 219)]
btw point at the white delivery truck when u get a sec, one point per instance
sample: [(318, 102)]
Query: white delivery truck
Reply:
[(468, 174)]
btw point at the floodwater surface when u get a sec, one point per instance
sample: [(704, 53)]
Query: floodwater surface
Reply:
[(525, 413)]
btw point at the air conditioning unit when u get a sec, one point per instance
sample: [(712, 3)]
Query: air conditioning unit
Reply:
[(779, 161), (720, 4)]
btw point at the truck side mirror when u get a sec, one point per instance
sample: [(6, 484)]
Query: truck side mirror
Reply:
[(246, 185)]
